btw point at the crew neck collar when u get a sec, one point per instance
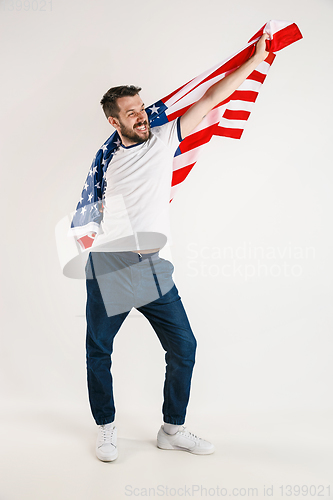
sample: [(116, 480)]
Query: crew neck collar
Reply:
[(132, 146), (144, 144)]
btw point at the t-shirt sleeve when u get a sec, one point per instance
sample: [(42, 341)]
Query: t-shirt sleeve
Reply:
[(169, 133)]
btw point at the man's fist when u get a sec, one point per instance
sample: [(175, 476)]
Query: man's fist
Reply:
[(261, 52)]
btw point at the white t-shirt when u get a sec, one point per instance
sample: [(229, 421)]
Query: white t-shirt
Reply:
[(137, 195)]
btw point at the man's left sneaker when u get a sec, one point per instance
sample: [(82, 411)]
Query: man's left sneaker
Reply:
[(185, 441), (106, 444)]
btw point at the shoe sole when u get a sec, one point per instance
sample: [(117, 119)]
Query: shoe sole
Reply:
[(105, 458), (179, 448)]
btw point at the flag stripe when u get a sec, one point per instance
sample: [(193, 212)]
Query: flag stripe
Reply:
[(228, 123), (237, 105), (251, 85), (244, 95), (238, 114), (197, 139), (186, 158), (180, 175), (257, 76), (232, 133)]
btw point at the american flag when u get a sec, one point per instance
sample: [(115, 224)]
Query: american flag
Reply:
[(227, 119)]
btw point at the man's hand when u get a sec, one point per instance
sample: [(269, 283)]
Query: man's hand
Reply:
[(222, 89), (261, 52)]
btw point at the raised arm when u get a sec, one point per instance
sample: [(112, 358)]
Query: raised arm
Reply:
[(222, 89)]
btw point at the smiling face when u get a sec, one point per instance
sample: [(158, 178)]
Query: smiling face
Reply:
[(132, 122)]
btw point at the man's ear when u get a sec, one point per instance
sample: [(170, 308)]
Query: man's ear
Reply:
[(113, 121)]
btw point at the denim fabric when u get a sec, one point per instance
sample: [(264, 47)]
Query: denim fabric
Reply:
[(127, 279), (116, 282)]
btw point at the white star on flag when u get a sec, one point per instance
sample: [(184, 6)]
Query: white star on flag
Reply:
[(85, 187), (154, 109), (90, 172), (97, 185), (94, 170), (90, 197), (117, 143), (104, 148), (83, 209)]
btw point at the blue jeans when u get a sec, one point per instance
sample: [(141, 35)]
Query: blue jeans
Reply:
[(116, 282)]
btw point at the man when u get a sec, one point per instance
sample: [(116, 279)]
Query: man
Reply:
[(124, 269)]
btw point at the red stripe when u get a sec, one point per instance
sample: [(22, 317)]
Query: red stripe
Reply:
[(231, 114), (285, 37), (270, 58), (180, 175), (233, 133), (257, 77), (244, 95), (197, 139), (240, 95)]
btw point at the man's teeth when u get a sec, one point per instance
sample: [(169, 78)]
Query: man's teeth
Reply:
[(143, 127)]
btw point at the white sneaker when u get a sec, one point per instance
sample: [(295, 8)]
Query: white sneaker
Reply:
[(184, 440), (106, 444)]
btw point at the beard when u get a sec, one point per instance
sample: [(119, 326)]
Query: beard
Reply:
[(134, 136)]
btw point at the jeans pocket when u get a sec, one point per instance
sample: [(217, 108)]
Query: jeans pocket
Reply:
[(88, 269), (163, 270)]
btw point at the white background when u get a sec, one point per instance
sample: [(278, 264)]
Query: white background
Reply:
[(262, 384)]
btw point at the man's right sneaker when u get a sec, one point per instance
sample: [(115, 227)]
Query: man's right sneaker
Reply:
[(106, 445), (185, 441)]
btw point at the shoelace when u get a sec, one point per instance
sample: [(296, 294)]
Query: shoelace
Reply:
[(107, 433), (187, 433)]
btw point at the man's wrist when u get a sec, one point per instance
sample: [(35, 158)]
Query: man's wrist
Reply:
[(258, 58)]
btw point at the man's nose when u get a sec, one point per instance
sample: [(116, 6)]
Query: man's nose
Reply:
[(141, 115)]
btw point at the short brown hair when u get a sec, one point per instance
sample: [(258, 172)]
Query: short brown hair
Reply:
[(109, 100)]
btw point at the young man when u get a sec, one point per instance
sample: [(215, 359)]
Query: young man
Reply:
[(124, 269)]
